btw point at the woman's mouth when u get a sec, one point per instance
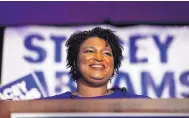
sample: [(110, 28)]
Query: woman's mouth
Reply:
[(97, 66)]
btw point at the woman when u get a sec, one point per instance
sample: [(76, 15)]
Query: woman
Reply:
[(94, 57)]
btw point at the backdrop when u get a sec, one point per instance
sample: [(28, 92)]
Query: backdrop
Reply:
[(155, 59)]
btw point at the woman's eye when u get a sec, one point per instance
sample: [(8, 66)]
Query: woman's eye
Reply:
[(88, 51), (108, 53)]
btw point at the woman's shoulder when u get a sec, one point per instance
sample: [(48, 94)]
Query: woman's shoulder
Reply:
[(60, 96), (133, 95), (127, 94)]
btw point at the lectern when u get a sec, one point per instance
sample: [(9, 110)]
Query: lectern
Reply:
[(115, 107)]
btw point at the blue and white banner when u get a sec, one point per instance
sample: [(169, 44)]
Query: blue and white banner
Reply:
[(155, 59), (25, 88)]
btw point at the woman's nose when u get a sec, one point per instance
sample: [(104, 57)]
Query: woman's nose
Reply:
[(98, 57)]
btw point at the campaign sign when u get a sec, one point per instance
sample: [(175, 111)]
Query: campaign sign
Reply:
[(155, 58), (25, 88), (100, 115)]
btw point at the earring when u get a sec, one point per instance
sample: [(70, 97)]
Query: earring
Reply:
[(110, 80)]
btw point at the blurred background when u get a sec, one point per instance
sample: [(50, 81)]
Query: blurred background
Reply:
[(155, 37)]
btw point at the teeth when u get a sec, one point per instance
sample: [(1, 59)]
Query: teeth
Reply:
[(97, 66)]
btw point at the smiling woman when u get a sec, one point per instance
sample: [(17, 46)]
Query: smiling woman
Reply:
[(94, 57)]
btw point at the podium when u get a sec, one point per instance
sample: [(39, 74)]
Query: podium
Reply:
[(152, 106)]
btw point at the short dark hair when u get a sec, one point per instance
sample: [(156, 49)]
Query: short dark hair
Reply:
[(74, 42)]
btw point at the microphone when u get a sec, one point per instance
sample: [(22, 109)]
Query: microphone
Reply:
[(123, 89)]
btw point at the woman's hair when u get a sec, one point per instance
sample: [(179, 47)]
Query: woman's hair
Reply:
[(74, 42)]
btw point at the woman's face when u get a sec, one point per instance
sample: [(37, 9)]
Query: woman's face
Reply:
[(95, 61)]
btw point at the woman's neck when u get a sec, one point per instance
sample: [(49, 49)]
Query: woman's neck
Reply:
[(84, 90)]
